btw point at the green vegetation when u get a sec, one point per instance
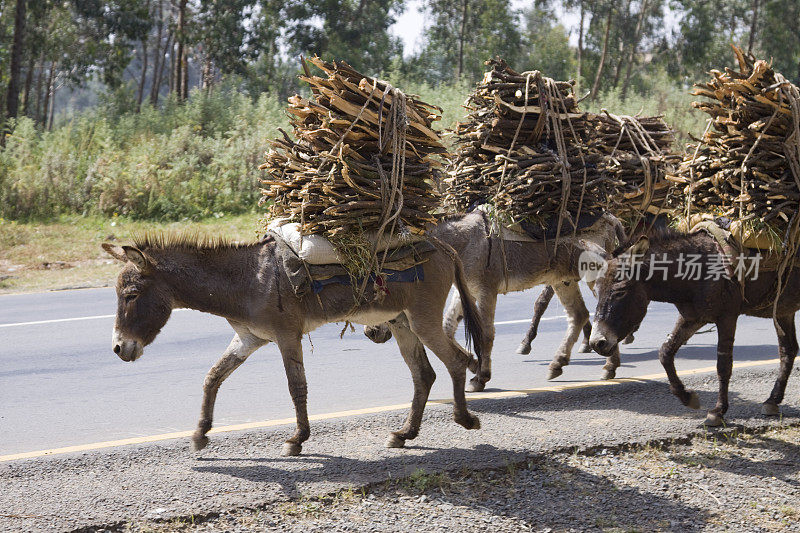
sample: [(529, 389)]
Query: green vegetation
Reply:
[(65, 251), (161, 109), (192, 160)]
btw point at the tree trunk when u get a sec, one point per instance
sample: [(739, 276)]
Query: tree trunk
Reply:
[(603, 54), (184, 75), (12, 94), (180, 54), (26, 93), (622, 48), (48, 96), (172, 68), (160, 76), (157, 54), (208, 73), (580, 51), (37, 114), (142, 80), (461, 38), (634, 45), (753, 23)]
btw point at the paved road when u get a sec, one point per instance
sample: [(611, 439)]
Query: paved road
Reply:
[(61, 385)]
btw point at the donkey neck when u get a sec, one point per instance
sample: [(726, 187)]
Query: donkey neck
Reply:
[(218, 281), (671, 279)]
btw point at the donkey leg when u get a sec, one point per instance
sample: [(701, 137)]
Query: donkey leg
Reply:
[(612, 364), (454, 358), (587, 334), (726, 331), (452, 316), (422, 374), (292, 353), (577, 316), (539, 307), (787, 345), (237, 353), (487, 304), (681, 333)]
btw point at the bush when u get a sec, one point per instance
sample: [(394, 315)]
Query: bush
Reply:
[(182, 161), (201, 158)]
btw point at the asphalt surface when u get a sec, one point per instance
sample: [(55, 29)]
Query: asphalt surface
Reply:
[(60, 384)]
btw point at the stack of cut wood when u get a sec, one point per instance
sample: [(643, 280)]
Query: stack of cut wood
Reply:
[(526, 149), (361, 160), (746, 165), (638, 155)]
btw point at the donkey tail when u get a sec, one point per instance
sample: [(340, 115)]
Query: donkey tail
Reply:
[(472, 324)]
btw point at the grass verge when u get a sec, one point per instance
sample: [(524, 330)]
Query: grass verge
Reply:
[(65, 252)]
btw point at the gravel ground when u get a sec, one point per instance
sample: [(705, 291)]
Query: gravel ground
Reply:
[(552, 442), (725, 481)]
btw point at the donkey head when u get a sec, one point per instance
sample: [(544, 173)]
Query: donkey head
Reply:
[(144, 302), (622, 298)]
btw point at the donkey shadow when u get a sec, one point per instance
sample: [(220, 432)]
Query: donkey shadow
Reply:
[(642, 397), (548, 485), (785, 466), (695, 352)]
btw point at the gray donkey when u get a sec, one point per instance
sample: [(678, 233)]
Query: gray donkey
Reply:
[(247, 285), (495, 266)]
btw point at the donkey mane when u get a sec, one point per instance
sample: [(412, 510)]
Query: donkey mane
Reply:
[(661, 236), (186, 241)]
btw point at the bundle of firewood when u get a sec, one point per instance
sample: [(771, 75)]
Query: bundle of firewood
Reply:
[(638, 155), (526, 149), (361, 158), (746, 165)]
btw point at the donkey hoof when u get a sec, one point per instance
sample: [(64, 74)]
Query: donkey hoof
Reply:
[(291, 449), (395, 442), (585, 348), (475, 385), (694, 401), (524, 349), (770, 409), (554, 373), (713, 420), (470, 421), (609, 374), (199, 442)]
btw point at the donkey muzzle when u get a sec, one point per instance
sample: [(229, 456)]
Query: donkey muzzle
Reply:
[(127, 349), (600, 341)]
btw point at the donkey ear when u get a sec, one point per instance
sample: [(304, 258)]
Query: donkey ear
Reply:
[(640, 247), (115, 251), (593, 247), (135, 256)]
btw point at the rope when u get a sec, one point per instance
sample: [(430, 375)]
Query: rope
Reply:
[(791, 149)]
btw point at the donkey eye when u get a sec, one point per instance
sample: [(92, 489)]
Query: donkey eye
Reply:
[(130, 297)]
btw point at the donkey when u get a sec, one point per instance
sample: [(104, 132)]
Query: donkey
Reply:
[(539, 307), (495, 266), (623, 300), (247, 285)]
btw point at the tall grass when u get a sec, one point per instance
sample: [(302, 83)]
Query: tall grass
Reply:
[(182, 161), (201, 158)]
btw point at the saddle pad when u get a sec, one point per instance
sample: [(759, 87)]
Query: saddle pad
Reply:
[(402, 264), (317, 250)]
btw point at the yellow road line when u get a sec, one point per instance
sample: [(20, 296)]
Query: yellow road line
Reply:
[(363, 411)]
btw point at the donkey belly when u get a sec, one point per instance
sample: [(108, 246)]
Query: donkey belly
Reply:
[(373, 317)]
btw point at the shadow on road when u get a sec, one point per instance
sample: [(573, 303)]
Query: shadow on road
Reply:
[(541, 491)]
